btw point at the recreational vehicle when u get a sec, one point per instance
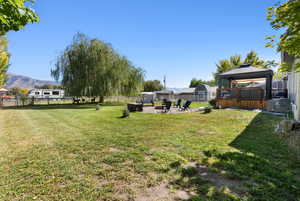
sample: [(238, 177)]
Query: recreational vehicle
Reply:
[(47, 93)]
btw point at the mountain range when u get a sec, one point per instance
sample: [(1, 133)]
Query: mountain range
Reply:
[(25, 82)]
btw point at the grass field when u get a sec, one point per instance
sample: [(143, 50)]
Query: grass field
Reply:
[(77, 153)]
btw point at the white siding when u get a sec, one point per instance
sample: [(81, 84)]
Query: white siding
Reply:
[(294, 93)]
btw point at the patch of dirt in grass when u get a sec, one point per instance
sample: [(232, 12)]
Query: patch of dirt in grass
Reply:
[(114, 149), (217, 179), (155, 193), (183, 195), (205, 132)]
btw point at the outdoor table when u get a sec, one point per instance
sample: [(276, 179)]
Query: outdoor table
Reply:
[(135, 107)]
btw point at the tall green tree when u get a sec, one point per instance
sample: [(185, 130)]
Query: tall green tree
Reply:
[(235, 61), (253, 59), (90, 67), (4, 60), (285, 16), (152, 85), (15, 14)]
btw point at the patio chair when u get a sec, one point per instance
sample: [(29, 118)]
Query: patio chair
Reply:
[(178, 104), (186, 105), (167, 106), (76, 101)]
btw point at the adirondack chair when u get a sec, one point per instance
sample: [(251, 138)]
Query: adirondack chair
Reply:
[(186, 105), (167, 107), (178, 104), (76, 101)]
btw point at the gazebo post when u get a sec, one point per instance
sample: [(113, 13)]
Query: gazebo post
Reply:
[(269, 87)]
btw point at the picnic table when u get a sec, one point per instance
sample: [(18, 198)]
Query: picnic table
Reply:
[(135, 107)]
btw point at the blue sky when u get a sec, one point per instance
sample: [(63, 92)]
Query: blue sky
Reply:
[(176, 38)]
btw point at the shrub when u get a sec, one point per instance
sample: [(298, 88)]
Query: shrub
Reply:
[(207, 110), (125, 113), (213, 103)]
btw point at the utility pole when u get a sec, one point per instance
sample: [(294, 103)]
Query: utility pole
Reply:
[(165, 82)]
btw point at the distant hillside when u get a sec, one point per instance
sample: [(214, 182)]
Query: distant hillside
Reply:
[(25, 82)]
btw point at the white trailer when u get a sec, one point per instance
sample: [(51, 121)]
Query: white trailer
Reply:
[(47, 93)]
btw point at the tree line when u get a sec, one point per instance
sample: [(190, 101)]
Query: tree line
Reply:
[(233, 62)]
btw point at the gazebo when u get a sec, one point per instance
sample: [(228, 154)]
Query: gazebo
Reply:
[(231, 92)]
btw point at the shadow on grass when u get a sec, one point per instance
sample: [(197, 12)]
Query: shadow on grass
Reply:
[(264, 169)]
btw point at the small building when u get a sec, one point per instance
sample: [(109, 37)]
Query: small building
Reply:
[(3, 92), (164, 94), (202, 93), (147, 97), (47, 93), (185, 94), (205, 92)]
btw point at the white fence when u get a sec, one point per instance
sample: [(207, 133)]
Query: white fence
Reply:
[(294, 93)]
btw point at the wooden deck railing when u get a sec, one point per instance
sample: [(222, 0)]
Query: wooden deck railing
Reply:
[(249, 93)]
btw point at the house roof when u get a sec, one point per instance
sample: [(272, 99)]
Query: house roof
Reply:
[(147, 93), (186, 91), (164, 92), (246, 71), (3, 90)]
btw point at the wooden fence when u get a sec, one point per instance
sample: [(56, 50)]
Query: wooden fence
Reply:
[(250, 98)]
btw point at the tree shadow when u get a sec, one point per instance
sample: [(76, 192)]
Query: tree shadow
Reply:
[(264, 168)]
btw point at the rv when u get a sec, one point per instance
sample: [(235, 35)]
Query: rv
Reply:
[(47, 93)]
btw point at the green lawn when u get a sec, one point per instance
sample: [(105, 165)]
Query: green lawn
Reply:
[(77, 153)]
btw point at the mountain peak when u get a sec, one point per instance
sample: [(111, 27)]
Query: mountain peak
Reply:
[(25, 81)]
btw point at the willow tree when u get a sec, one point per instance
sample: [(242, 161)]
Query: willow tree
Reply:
[(90, 67), (4, 60)]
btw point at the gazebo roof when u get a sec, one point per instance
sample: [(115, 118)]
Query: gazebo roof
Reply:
[(246, 71)]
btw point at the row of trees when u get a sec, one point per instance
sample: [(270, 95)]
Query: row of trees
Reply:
[(195, 82), (48, 86), (90, 67), (235, 61), (152, 85)]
